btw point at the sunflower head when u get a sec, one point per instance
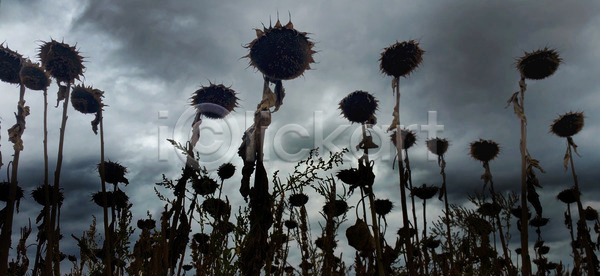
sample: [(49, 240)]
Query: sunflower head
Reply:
[(568, 196), (33, 76), (290, 224), (425, 192), (10, 65), (539, 64), (4, 188), (298, 200), (484, 150), (358, 107), (214, 101), (409, 138), (437, 146), (349, 176), (204, 186), (98, 198), (62, 61), (538, 221), (86, 100), (568, 124), (590, 213), (281, 52), (400, 59), (336, 207), (39, 194), (383, 206), (226, 171), (489, 209), (216, 207), (114, 172)]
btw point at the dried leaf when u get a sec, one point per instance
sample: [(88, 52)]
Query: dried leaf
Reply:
[(566, 159), (396, 121), (95, 123), (534, 163), (279, 93), (196, 130), (61, 95), (512, 99), (570, 141)]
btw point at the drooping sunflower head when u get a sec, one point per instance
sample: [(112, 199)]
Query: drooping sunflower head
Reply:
[(484, 150), (281, 52), (408, 138), (114, 173), (568, 124), (33, 76), (214, 101), (298, 200), (568, 196), (539, 64), (62, 61), (425, 192), (358, 107), (10, 65), (39, 195), (336, 207), (437, 146), (4, 190), (86, 100), (400, 59), (204, 186)]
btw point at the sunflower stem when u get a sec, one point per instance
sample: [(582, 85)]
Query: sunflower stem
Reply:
[(108, 246), (486, 165), (406, 224), (526, 266), (5, 237), (589, 253)]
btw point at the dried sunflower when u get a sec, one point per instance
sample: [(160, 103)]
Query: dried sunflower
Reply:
[(538, 221), (568, 196), (484, 150), (408, 138), (298, 200), (4, 188), (489, 209), (62, 61), (226, 171), (204, 186), (383, 206), (86, 100), (568, 124), (281, 52), (33, 76), (39, 194), (539, 64), (349, 176), (214, 101), (290, 224), (336, 207), (358, 107), (216, 207), (114, 172), (400, 59), (437, 146), (10, 65), (425, 192)]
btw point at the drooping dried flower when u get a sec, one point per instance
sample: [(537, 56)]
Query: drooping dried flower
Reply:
[(121, 200), (539, 64), (204, 186), (489, 209), (226, 171), (383, 206), (478, 225), (590, 213), (568, 196), (484, 150), (33, 76), (98, 198), (4, 188), (320, 243), (214, 101), (86, 100), (298, 200), (568, 124), (400, 59), (349, 176), (114, 173), (336, 207), (425, 192), (39, 194), (281, 52), (437, 146), (358, 107), (216, 207), (62, 61), (290, 224), (408, 138), (10, 65), (538, 221)]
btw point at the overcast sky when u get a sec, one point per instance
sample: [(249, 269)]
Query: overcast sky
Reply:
[(150, 56)]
